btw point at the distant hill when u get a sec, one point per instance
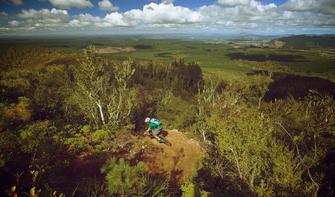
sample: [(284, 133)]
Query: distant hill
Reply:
[(304, 41)]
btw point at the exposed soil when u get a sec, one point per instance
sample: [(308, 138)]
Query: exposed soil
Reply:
[(178, 162), (115, 50)]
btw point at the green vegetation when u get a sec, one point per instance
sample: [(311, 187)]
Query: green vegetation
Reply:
[(71, 120), (306, 42)]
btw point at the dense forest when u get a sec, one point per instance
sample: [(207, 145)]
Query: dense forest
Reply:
[(307, 41), (71, 127)]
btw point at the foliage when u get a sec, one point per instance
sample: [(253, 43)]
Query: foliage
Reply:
[(245, 140), (191, 190), (175, 112), (304, 41), (101, 92), (207, 100), (310, 134), (122, 101), (58, 114), (180, 78), (37, 137), (23, 57), (19, 111), (49, 89), (15, 114), (83, 141), (266, 155), (123, 179), (45, 87)]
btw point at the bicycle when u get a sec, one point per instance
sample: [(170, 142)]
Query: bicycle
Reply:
[(162, 139)]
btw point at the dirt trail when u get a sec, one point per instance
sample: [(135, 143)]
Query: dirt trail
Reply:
[(179, 162)]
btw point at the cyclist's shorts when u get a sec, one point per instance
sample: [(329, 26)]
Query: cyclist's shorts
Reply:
[(156, 131)]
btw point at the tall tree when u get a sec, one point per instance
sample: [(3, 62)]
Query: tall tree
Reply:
[(92, 83), (102, 91)]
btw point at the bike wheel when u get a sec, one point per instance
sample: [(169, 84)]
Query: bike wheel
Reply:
[(165, 141)]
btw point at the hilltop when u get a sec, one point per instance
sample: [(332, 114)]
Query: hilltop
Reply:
[(304, 41)]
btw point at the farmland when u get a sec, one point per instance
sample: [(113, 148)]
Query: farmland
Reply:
[(235, 55)]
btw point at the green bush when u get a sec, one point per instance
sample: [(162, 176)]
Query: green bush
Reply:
[(191, 190), (84, 140), (37, 137), (175, 112), (273, 149), (123, 179)]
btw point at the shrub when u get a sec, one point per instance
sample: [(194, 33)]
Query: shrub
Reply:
[(123, 179), (37, 137), (192, 190), (175, 111)]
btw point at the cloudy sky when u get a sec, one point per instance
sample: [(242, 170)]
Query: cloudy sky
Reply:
[(166, 16)]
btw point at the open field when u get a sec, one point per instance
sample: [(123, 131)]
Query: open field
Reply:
[(234, 55)]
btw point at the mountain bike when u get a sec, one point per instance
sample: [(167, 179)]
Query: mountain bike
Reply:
[(161, 137)]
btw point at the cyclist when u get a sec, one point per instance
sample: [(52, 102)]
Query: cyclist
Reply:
[(154, 127)]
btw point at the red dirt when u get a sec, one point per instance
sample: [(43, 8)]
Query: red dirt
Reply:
[(179, 162)]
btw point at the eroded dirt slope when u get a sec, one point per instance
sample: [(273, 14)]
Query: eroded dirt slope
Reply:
[(178, 162)]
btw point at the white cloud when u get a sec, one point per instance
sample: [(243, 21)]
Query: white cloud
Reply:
[(242, 15), (84, 20), (43, 14), (67, 4), (153, 14), (167, 1), (107, 5), (226, 15), (115, 19), (14, 23), (320, 6), (257, 17), (233, 2), (44, 18), (163, 13)]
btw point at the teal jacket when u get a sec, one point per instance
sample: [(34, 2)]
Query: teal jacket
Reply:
[(155, 124)]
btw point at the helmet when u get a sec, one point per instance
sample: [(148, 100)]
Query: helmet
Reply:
[(147, 119)]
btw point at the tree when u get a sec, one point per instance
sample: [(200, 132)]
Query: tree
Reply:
[(102, 92), (92, 83), (121, 101)]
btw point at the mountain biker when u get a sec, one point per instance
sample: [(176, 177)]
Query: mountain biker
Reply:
[(154, 127)]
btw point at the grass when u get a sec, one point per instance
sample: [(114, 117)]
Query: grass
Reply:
[(211, 56)]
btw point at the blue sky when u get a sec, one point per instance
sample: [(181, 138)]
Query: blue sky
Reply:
[(124, 5), (180, 16)]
